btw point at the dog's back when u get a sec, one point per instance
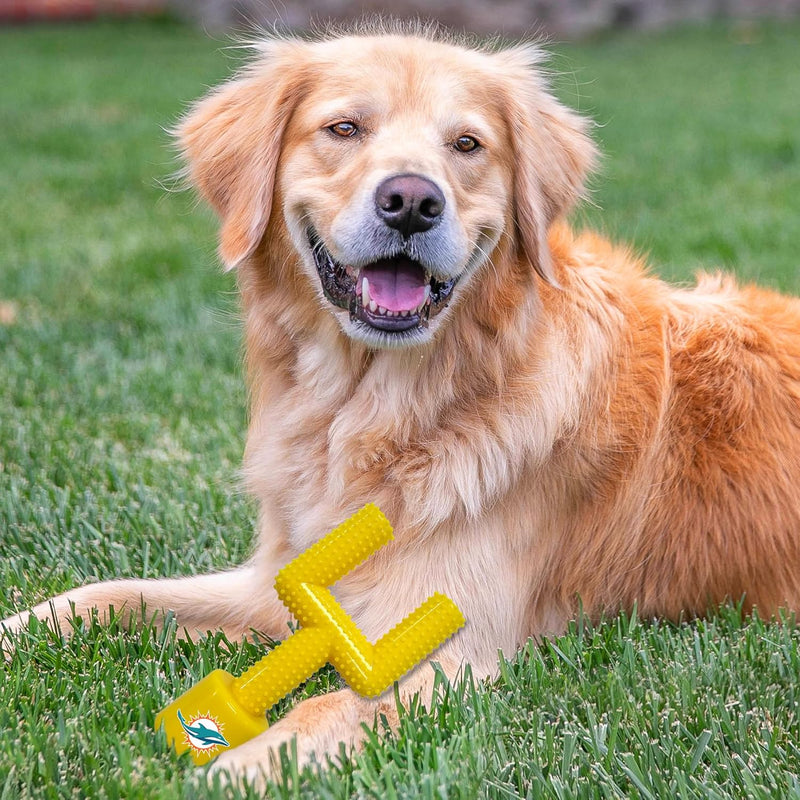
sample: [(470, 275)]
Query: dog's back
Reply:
[(697, 431)]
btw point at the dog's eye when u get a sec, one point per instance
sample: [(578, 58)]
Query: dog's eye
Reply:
[(343, 129), (466, 144)]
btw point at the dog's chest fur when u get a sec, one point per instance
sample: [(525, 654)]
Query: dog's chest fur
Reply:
[(407, 431)]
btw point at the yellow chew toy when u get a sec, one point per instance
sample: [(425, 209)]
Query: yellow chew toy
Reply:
[(222, 711)]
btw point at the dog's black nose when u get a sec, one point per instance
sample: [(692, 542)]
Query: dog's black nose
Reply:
[(409, 203)]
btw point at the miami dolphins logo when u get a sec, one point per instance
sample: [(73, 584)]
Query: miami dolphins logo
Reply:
[(203, 732)]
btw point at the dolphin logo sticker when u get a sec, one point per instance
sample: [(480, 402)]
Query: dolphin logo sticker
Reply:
[(203, 732)]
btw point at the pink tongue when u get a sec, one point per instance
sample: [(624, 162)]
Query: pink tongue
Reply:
[(397, 284)]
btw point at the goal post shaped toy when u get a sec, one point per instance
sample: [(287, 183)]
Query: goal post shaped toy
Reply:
[(222, 711)]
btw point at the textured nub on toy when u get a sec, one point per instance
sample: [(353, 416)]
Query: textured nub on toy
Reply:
[(222, 711)]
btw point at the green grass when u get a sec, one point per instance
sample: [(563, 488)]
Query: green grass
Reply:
[(122, 420), (701, 144)]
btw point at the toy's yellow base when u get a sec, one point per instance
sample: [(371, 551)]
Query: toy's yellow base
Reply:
[(213, 719)]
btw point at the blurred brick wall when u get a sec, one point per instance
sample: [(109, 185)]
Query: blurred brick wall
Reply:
[(29, 10), (559, 17)]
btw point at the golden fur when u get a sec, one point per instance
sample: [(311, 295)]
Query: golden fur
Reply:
[(568, 430)]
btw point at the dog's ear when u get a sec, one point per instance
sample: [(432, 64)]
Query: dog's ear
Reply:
[(231, 140), (553, 154)]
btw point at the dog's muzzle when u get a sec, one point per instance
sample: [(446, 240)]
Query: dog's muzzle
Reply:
[(393, 294)]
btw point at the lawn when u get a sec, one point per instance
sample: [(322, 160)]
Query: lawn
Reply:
[(122, 418)]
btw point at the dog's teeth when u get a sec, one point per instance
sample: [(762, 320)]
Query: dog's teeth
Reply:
[(381, 310), (365, 301), (427, 293), (373, 306), (389, 313), (404, 313)]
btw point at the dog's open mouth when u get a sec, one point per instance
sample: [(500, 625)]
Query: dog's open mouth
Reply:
[(392, 294)]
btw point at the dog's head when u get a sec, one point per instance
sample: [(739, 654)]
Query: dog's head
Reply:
[(396, 164)]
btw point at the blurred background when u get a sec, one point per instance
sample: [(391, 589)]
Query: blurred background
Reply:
[(562, 18)]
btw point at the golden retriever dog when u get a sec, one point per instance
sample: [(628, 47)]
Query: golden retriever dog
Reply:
[(547, 426)]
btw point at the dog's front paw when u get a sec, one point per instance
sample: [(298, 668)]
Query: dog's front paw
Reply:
[(310, 733), (13, 625), (260, 760), (10, 628)]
